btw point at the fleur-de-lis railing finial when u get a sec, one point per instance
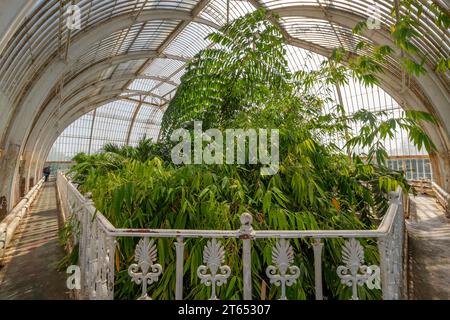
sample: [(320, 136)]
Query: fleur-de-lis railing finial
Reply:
[(354, 273), (213, 258), (145, 257), (283, 258)]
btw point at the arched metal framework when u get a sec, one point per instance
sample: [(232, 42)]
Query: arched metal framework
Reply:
[(134, 52)]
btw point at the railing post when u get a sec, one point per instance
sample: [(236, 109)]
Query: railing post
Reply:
[(399, 246), (110, 266), (90, 248), (390, 248), (384, 269), (247, 269), (107, 251), (318, 246), (179, 246), (405, 291), (66, 191), (246, 234)]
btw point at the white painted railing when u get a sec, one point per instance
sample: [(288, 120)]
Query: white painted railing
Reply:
[(97, 236), (12, 220), (442, 197)]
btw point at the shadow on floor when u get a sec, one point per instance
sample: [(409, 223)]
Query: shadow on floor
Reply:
[(429, 250)]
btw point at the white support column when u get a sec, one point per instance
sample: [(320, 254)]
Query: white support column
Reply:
[(317, 247), (246, 234), (179, 246)]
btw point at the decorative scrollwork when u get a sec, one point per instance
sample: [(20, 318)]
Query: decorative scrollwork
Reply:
[(145, 257), (374, 280), (283, 258), (354, 273), (213, 258)]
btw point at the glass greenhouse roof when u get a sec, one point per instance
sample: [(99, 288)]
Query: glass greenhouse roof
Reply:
[(145, 60), (109, 123), (127, 121)]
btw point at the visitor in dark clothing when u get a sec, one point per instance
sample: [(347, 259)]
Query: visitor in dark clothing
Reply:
[(46, 173)]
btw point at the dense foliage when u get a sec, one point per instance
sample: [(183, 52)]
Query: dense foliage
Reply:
[(243, 82)]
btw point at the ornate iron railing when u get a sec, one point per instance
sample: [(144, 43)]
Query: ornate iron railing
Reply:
[(12, 220), (97, 237)]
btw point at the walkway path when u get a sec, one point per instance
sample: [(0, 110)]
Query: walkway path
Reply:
[(29, 270), (429, 249)]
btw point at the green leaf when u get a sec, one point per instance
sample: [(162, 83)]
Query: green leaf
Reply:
[(360, 27)]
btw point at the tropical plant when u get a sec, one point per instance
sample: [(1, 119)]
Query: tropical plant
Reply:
[(144, 150), (243, 70), (406, 36)]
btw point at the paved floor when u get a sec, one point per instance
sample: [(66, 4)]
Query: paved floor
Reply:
[(29, 270), (429, 248)]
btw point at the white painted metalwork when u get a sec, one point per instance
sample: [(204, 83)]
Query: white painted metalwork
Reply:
[(12, 220), (145, 257), (317, 247), (97, 251), (354, 273), (214, 257), (246, 233), (283, 273), (373, 282), (179, 247), (391, 250)]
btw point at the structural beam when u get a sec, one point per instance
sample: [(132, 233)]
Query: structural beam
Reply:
[(133, 119)]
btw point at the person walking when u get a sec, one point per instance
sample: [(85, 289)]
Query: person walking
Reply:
[(46, 173)]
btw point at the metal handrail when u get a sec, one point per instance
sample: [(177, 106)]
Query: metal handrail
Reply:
[(11, 221), (382, 231)]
